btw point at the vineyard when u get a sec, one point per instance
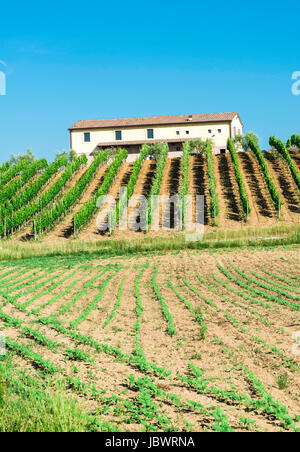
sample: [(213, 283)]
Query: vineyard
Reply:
[(181, 341), (110, 329), (60, 200)]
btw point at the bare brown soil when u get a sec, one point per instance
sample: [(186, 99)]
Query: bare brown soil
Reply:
[(228, 193), (91, 231), (243, 327), (260, 196), (142, 188), (199, 185), (65, 228), (295, 154), (286, 187)]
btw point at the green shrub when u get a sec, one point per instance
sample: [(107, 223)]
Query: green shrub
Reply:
[(238, 176), (214, 203), (265, 170), (281, 148)]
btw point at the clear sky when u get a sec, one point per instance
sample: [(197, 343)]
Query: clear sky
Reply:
[(70, 60)]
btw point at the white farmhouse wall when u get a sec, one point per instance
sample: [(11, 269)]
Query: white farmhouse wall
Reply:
[(220, 131), (236, 127)]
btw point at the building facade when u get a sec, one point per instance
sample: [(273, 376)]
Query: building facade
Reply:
[(132, 133)]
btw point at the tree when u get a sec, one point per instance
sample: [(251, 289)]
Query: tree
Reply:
[(242, 141), (16, 158), (72, 155), (250, 136), (197, 146), (63, 153), (155, 149), (238, 142), (111, 152)]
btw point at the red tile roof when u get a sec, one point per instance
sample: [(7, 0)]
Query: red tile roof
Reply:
[(153, 120)]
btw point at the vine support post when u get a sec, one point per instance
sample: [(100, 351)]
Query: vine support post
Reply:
[(5, 228), (279, 209), (75, 227), (35, 234), (247, 216)]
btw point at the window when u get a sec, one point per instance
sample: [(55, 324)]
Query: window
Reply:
[(187, 132), (118, 135), (150, 133), (178, 148), (220, 130), (177, 132), (209, 131), (87, 137)]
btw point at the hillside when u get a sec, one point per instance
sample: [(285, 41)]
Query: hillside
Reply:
[(63, 194)]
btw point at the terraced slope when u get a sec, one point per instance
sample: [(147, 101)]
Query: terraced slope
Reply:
[(91, 231), (261, 201), (295, 154), (231, 215), (142, 188), (169, 187), (286, 187), (25, 232), (65, 227), (228, 192), (173, 342), (199, 184)]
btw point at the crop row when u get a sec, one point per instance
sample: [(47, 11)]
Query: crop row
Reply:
[(280, 147), (32, 190), (265, 170), (214, 202), (12, 172), (16, 184), (47, 218), (147, 389), (185, 164), (25, 212), (155, 189), (132, 182), (88, 209), (295, 141), (239, 177)]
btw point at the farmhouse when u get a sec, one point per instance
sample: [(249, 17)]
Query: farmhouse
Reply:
[(132, 133)]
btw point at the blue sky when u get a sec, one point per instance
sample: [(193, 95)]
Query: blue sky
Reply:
[(74, 60)]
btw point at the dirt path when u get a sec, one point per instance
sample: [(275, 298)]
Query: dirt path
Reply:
[(170, 186), (260, 197), (142, 188), (295, 154), (228, 193), (287, 189), (198, 185), (91, 232)]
